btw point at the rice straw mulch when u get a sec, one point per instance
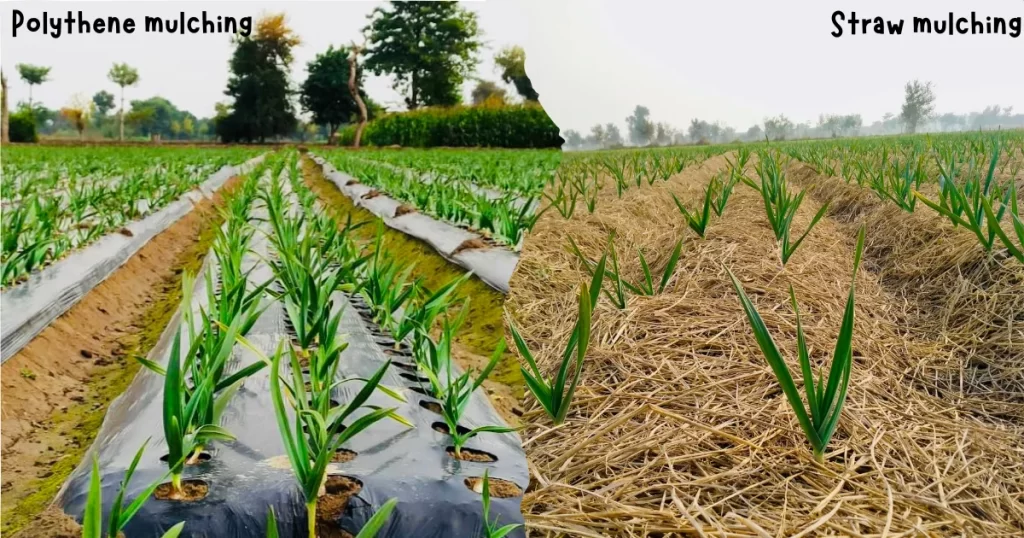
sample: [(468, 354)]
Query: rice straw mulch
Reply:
[(679, 427)]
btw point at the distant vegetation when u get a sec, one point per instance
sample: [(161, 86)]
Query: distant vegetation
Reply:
[(510, 126), (917, 114), (430, 50)]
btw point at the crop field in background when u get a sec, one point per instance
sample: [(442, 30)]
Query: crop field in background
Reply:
[(59, 199), (494, 192), (700, 362)]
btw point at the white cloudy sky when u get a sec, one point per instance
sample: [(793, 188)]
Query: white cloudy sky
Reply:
[(592, 61)]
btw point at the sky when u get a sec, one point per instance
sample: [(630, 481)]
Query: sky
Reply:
[(592, 61)]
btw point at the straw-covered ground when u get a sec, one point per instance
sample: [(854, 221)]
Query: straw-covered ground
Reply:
[(679, 427)]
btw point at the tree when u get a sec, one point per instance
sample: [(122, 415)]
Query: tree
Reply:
[(918, 104), (573, 139), (203, 128), (77, 114), (104, 102), (612, 135), (325, 93), (33, 75), (850, 125), (641, 130), (5, 118), (754, 133), (829, 123), (354, 87), (699, 131), (259, 84), (664, 133), (123, 75), (597, 136), (429, 47), (155, 115), (512, 62), (187, 126), (486, 90), (778, 128)]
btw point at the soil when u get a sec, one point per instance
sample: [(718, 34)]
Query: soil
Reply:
[(331, 505), (470, 244), (52, 523), (501, 489), (191, 490), (433, 407), (84, 359), (343, 455), (404, 209), (469, 454)]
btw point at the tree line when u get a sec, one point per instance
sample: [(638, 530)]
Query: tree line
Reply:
[(430, 50), (917, 113)]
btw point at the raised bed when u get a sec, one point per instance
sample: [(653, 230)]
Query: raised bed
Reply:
[(32, 305), (492, 264), (246, 477)]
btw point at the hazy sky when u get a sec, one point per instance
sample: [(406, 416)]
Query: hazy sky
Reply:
[(591, 60)]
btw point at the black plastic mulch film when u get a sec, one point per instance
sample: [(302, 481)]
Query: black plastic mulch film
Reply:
[(248, 476)]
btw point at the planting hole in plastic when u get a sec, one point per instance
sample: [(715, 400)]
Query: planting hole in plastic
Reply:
[(433, 407), (331, 506), (418, 390), (443, 428), (471, 454), (397, 352), (404, 366), (502, 489), (343, 455), (192, 489), (414, 377)]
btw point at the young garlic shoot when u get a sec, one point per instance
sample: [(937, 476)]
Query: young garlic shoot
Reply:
[(369, 530), (434, 359), (491, 528), (645, 287), (779, 204), (421, 314), (553, 395), (312, 439), (456, 396), (120, 515), (971, 206), (825, 400), (698, 222), (191, 414)]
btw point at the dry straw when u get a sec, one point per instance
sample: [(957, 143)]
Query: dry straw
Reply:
[(679, 427)]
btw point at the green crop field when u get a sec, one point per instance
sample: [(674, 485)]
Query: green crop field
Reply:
[(495, 192), (59, 199)]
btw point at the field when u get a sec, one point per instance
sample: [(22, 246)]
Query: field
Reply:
[(391, 348), (795, 339), (57, 200), (704, 406)]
